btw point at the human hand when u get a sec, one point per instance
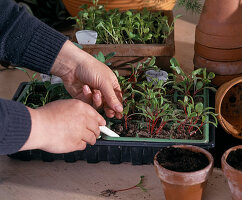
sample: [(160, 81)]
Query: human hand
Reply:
[(63, 126), (78, 68)]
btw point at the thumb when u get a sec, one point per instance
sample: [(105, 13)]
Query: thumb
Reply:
[(113, 96)]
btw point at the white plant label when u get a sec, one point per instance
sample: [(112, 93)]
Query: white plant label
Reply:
[(53, 79), (86, 37), (152, 75)]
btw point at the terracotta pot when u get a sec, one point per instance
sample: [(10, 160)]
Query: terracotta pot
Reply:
[(228, 106), (234, 176), (184, 185), (218, 39), (72, 6), (215, 54), (218, 67), (220, 24)]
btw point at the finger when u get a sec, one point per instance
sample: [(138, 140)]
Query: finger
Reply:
[(94, 122), (89, 137), (118, 115), (112, 94), (109, 112), (97, 99), (81, 146), (85, 95)]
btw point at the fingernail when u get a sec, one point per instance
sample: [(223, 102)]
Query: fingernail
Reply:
[(97, 96), (85, 88), (118, 108)]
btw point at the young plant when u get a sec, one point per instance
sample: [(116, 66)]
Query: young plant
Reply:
[(129, 84), (193, 116), (110, 192), (193, 83), (157, 111)]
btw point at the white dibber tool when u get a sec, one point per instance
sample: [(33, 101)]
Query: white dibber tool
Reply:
[(108, 131)]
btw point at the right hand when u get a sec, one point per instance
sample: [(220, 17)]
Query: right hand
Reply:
[(77, 69), (63, 126)]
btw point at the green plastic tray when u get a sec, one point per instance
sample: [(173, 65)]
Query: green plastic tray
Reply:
[(205, 139)]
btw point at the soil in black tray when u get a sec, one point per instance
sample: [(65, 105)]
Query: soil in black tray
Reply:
[(235, 159), (133, 130), (181, 160)]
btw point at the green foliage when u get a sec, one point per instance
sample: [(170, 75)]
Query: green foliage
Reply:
[(158, 108), (193, 116), (115, 27), (103, 58), (40, 94), (195, 6), (193, 83)]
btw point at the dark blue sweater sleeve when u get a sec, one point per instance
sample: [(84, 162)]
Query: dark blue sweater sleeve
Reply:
[(15, 126), (27, 42)]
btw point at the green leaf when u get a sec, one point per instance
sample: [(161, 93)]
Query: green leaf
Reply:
[(22, 69), (131, 35), (193, 114), (78, 45), (175, 65), (101, 57), (110, 55), (85, 15), (186, 99), (211, 88), (199, 107), (47, 84), (146, 30), (177, 88), (126, 110), (189, 110), (129, 13), (204, 73), (197, 72), (199, 85), (211, 75)]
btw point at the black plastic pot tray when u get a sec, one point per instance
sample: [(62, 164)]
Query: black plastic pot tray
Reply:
[(115, 152)]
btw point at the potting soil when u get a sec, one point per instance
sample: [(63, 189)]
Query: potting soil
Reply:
[(181, 160), (235, 159)]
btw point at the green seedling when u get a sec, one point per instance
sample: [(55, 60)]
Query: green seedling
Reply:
[(130, 27), (193, 83), (109, 192)]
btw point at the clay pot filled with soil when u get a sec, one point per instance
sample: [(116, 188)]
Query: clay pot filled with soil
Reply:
[(183, 171), (232, 169), (228, 106)]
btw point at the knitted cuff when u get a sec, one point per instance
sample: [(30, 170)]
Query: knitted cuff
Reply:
[(15, 126), (43, 49)]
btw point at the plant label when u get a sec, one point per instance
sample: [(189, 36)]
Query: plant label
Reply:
[(152, 75), (86, 37), (53, 79)]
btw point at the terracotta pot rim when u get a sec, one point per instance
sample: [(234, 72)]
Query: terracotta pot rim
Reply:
[(218, 54), (224, 159), (221, 119), (198, 173), (218, 67), (217, 41)]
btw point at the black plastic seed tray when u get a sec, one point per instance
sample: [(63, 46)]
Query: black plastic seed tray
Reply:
[(115, 152)]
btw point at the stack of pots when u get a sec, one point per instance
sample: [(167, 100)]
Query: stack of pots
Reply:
[(218, 39)]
